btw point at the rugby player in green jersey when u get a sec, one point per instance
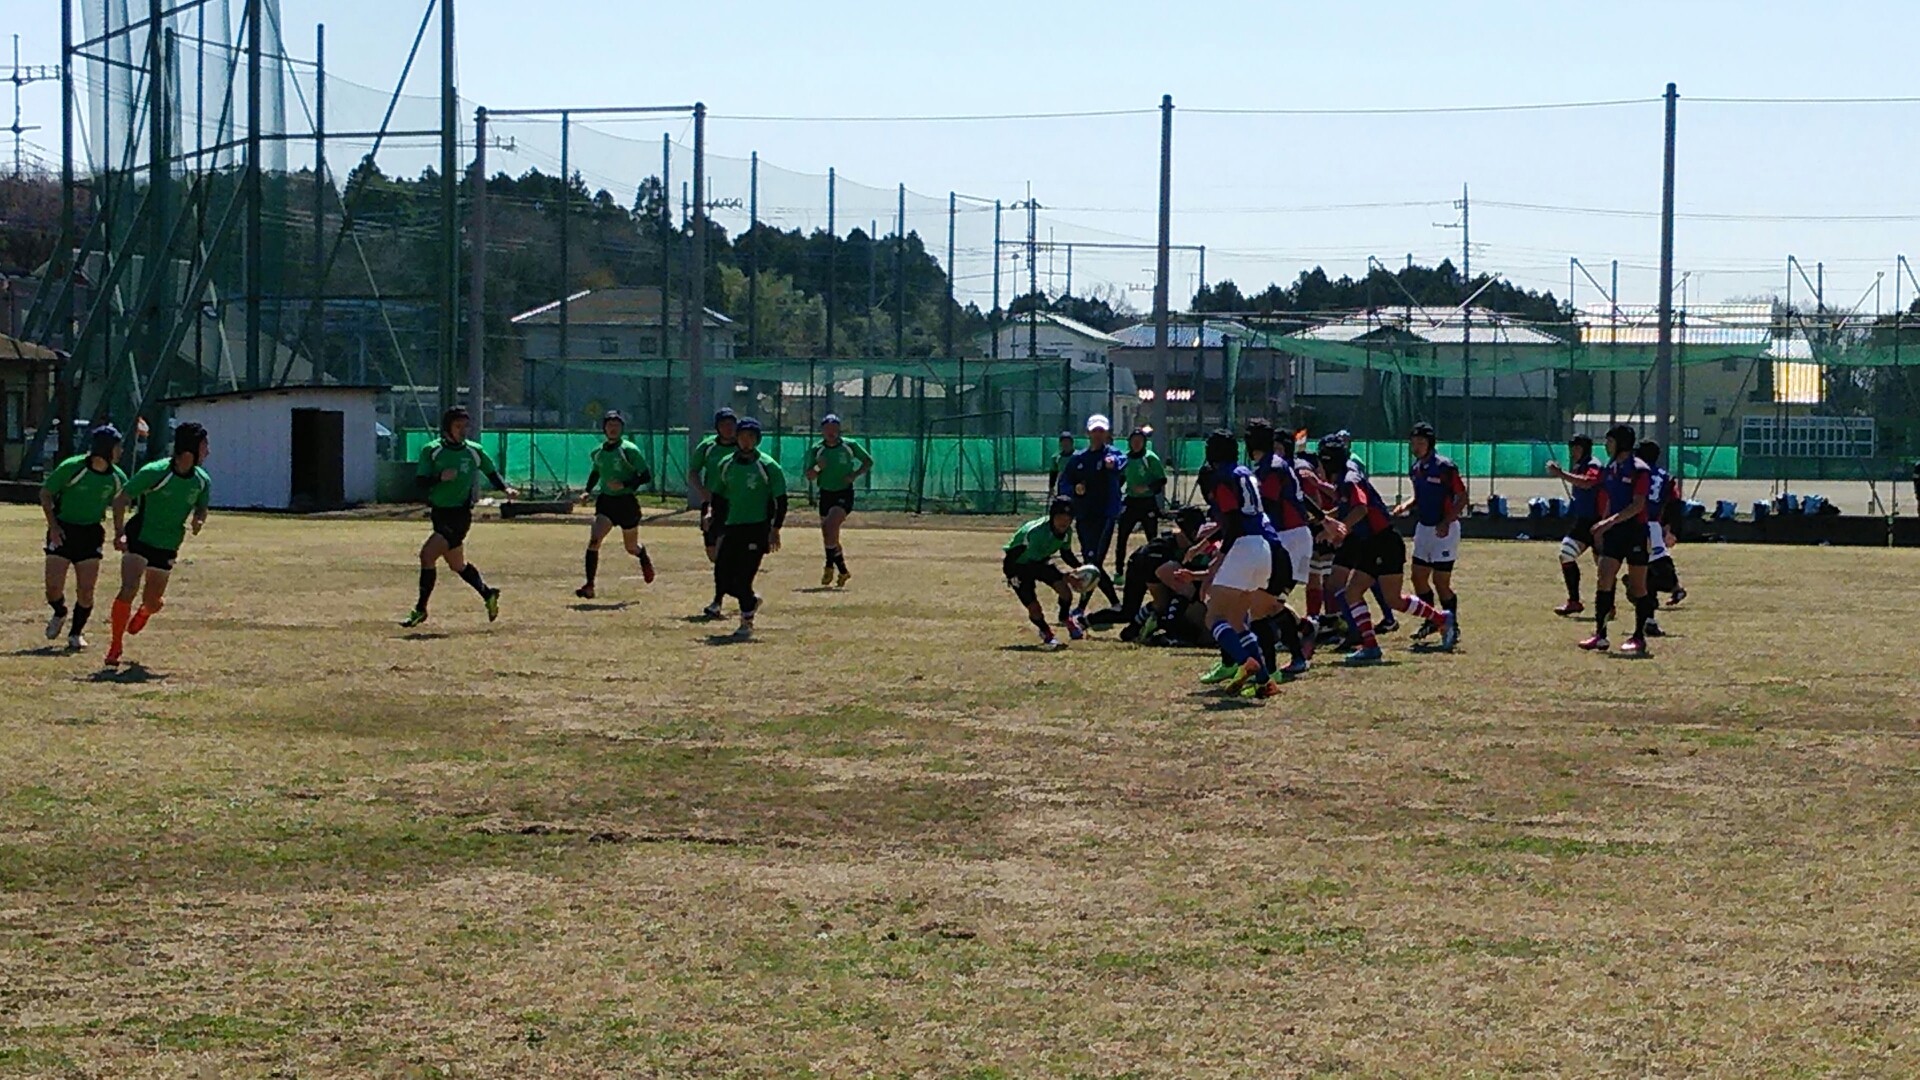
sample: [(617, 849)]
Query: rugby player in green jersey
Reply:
[(169, 498), (449, 467), (75, 498), (711, 453), (620, 472), (1027, 560), (836, 464), (753, 489)]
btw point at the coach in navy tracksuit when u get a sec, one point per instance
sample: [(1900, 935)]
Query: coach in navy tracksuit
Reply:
[(1092, 479)]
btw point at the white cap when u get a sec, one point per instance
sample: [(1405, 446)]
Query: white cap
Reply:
[(1097, 422)]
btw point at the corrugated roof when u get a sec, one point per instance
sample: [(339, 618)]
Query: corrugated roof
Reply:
[(611, 307), (1211, 334), (1431, 326), (1018, 323)]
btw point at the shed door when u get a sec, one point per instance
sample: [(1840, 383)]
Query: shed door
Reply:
[(319, 459)]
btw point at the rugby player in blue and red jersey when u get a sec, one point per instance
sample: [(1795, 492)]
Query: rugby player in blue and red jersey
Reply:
[(1582, 475), (1245, 566), (1294, 519), (1438, 500), (1621, 537), (1371, 552)]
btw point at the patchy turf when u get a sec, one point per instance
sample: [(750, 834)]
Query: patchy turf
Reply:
[(883, 839)]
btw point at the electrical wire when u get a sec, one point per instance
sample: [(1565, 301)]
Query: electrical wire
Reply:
[(949, 119), (1423, 110)]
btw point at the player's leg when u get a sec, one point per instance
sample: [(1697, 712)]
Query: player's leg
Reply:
[(1642, 598), (1355, 588), (86, 575), (1025, 583), (596, 535), (716, 535), (56, 583), (431, 553), (748, 554), (1603, 595), (456, 557), (1575, 544), (831, 525), (133, 569), (631, 538)]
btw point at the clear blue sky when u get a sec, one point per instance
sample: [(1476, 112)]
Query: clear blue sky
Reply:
[(1240, 181)]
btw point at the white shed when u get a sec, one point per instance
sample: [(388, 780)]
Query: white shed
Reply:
[(290, 447)]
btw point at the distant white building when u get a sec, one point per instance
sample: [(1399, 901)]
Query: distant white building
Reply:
[(1052, 348), (288, 448)]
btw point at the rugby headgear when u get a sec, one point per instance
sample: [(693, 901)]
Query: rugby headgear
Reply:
[(1060, 505), (188, 437), (1222, 447), (102, 440)]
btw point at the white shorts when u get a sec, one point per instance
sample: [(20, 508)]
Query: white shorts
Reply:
[(1246, 566), (1298, 544), (1656, 541), (1433, 549)]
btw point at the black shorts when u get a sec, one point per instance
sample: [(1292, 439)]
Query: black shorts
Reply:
[(622, 510), (831, 499), (1625, 542), (1382, 555), (716, 518), (80, 543), (1280, 579), (1581, 531), (1026, 575), (1662, 576), (451, 523), (158, 558)]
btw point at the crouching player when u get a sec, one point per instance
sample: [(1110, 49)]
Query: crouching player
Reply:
[(1027, 561)]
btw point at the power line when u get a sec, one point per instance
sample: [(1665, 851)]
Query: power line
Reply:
[(948, 119), (1623, 212), (1421, 110), (1804, 100)]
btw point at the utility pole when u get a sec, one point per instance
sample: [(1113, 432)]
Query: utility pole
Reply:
[(995, 317), (255, 251), (1162, 269), (23, 76), (946, 331), (900, 279), (1663, 357), (477, 283), (753, 255), (833, 275), (449, 206), (1466, 331), (314, 346), (697, 412)]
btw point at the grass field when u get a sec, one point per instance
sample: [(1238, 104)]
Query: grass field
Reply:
[(886, 838)]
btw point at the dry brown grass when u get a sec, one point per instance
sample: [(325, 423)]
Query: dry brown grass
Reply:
[(883, 840)]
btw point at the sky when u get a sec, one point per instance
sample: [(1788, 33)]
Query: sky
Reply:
[(1267, 195)]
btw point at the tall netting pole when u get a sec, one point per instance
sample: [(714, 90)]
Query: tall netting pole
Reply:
[(1162, 269), (449, 206), (697, 279), (1663, 358), (477, 285)]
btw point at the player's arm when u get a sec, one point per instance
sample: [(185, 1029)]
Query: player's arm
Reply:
[(425, 476), (593, 478), (1583, 479), (1631, 510), (1156, 474), (642, 472), (119, 507), (1456, 503), (777, 490), (810, 464), (201, 505), (694, 479), (864, 460), (56, 480)]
